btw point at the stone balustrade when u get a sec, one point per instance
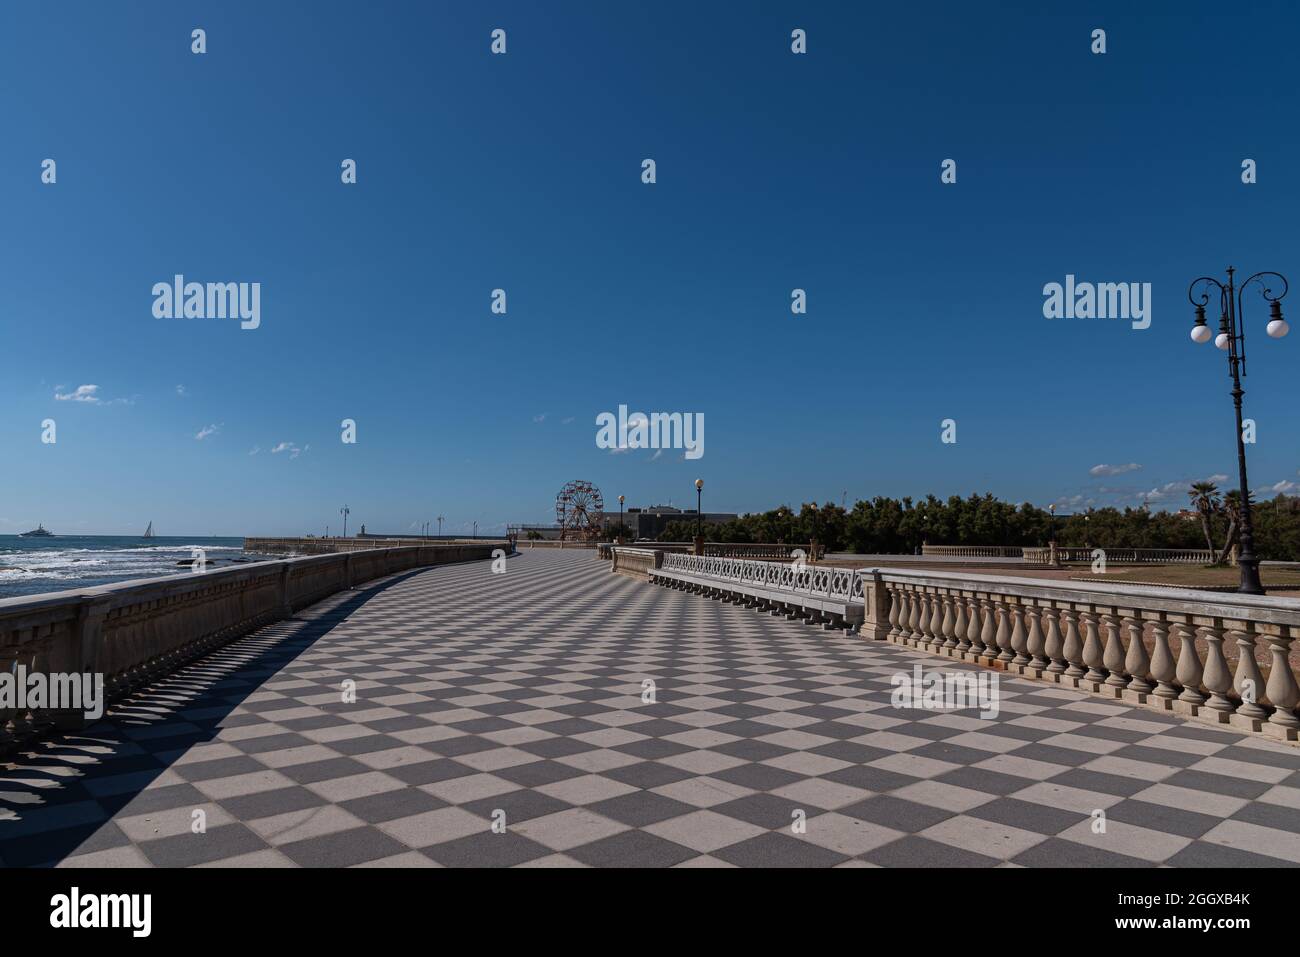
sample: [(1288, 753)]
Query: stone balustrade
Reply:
[(1121, 556), (635, 561), (972, 551), (334, 546), (134, 632), (1224, 658)]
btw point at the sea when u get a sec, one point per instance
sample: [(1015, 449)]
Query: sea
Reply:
[(32, 566)]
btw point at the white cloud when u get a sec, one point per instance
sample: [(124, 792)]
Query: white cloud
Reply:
[(82, 393), (1163, 492), (1217, 479), (181, 390), (255, 449), (566, 421), (1103, 469), (540, 418), (289, 447), (1284, 487), (204, 432)]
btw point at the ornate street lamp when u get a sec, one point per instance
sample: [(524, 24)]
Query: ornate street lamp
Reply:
[(620, 519), (1232, 340), (699, 516), (345, 512)]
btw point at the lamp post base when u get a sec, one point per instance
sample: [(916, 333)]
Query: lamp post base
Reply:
[(1250, 583)]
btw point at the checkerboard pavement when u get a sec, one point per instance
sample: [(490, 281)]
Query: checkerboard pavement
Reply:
[(520, 694)]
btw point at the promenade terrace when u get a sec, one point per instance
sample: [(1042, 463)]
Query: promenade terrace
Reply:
[(522, 693)]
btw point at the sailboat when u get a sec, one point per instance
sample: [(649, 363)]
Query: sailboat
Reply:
[(148, 532)]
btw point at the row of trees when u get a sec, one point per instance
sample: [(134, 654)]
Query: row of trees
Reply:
[(893, 526)]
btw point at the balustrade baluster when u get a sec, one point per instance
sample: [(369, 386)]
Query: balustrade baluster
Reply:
[(1136, 662), (1249, 681), (1093, 654), (1053, 645), (1113, 654), (1217, 680), (953, 622), (1189, 665), (942, 620), (1072, 646), (1035, 644), (1019, 636), (1003, 638), (1162, 660), (895, 609), (989, 631), (1283, 692), (935, 631), (970, 640), (914, 621)]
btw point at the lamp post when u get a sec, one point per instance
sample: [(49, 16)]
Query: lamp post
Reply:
[(620, 519), (1051, 537), (699, 517), (345, 512), (440, 526), (1232, 340)]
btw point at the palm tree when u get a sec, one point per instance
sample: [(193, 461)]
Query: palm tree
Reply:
[(1232, 508), (1205, 499)]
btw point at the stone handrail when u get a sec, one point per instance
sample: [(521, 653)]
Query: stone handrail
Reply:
[(799, 579), (635, 561), (1074, 634), (1121, 556), (334, 546), (134, 632), (973, 551)]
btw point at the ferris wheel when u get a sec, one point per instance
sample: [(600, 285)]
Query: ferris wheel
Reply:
[(578, 510)]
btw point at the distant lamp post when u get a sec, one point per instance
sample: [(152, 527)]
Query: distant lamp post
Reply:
[(620, 519), (475, 530), (1232, 340), (699, 516), (440, 526), (1052, 534), (345, 512)]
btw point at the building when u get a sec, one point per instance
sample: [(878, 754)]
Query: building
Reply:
[(648, 523)]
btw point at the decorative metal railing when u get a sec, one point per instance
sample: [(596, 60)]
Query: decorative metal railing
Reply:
[(797, 578)]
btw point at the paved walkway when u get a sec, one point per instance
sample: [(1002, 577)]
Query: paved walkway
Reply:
[(519, 697)]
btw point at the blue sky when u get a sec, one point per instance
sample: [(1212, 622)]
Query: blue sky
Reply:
[(523, 172)]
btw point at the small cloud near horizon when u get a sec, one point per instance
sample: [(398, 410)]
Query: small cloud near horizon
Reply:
[(203, 433), (1103, 469)]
